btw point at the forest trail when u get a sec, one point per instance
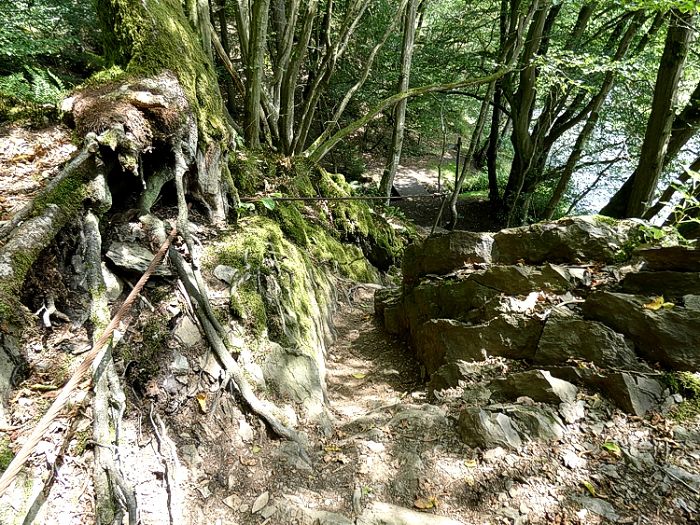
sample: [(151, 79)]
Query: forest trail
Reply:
[(418, 176), (389, 448)]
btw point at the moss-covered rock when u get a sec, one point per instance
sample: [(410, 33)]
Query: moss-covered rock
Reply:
[(6, 454)]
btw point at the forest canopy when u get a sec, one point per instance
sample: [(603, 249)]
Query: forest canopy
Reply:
[(554, 105)]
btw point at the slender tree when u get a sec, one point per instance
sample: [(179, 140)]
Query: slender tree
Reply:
[(635, 196), (394, 154)]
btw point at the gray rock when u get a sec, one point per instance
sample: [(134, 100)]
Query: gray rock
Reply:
[(537, 422), (187, 332), (691, 302), (479, 428), (451, 375), (574, 338), (518, 280), (134, 257), (576, 375), (294, 455), (668, 336), (446, 299), (572, 412), (13, 365), (634, 394), (671, 258), (423, 419), (179, 364), (226, 274), (293, 374), (388, 306), (508, 425), (443, 340), (598, 506), (568, 240), (683, 434), (666, 283), (385, 514), (538, 385), (114, 285), (441, 254), (292, 509)]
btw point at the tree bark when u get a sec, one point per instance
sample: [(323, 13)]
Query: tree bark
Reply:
[(254, 73), (635, 195), (394, 154)]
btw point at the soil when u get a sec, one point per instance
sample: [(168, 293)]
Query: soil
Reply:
[(388, 441)]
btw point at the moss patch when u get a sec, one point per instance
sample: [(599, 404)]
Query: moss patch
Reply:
[(6, 454), (147, 38), (280, 286), (688, 385)]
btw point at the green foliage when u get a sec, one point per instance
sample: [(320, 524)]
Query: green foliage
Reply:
[(33, 32), (36, 93), (686, 214), (686, 384), (45, 47)]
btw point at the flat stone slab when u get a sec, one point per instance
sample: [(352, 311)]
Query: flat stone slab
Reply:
[(672, 258), (134, 257)]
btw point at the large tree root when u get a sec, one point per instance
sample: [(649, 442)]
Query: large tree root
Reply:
[(217, 338), (113, 494)]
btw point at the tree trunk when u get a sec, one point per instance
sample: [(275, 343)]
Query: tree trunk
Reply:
[(635, 195), (394, 154), (588, 128), (254, 73)]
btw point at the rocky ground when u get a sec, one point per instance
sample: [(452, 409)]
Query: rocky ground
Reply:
[(486, 440)]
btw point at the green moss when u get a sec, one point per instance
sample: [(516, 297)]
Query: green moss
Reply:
[(111, 74), (247, 304), (6, 454), (688, 385), (154, 340), (82, 438), (603, 219), (247, 172), (292, 222), (147, 38), (284, 289)]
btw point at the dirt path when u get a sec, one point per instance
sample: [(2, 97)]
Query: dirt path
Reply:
[(419, 176)]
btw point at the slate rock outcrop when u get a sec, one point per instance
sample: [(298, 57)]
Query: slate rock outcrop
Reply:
[(579, 303)]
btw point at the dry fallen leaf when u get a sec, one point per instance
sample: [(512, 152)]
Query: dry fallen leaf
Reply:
[(202, 400), (260, 502), (425, 503), (657, 303)]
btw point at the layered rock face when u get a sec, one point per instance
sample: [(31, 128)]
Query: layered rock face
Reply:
[(582, 301)]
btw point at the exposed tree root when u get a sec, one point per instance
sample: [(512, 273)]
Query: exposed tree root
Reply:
[(113, 494), (218, 339), (168, 454)]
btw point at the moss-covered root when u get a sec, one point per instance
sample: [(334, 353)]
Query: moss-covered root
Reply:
[(218, 339), (52, 209), (112, 493)]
